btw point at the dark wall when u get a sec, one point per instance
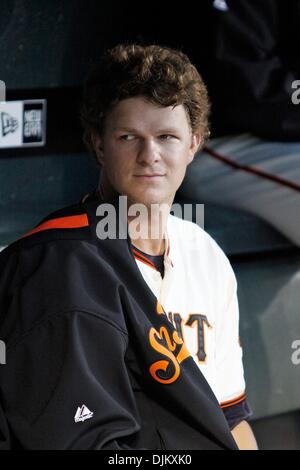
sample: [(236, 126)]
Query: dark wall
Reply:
[(52, 43)]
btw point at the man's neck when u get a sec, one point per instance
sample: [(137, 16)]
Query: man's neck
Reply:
[(148, 233), (151, 247)]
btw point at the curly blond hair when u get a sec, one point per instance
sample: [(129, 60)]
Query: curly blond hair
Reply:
[(162, 75)]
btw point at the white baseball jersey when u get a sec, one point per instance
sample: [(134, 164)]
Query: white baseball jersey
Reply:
[(199, 295)]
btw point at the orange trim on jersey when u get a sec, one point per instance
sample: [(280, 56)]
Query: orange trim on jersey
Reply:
[(71, 221), (142, 260), (233, 401), (141, 256)]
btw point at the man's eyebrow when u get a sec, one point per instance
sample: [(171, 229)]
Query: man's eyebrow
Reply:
[(168, 130), (164, 130), (126, 129)]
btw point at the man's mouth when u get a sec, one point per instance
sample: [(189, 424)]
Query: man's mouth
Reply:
[(153, 175)]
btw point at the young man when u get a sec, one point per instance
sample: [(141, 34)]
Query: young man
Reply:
[(125, 342)]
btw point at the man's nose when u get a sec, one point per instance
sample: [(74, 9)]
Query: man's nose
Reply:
[(148, 152)]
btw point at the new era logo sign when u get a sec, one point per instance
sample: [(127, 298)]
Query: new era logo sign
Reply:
[(8, 123), (82, 414), (22, 123)]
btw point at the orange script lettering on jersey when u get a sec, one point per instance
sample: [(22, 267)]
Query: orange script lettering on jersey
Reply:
[(167, 345)]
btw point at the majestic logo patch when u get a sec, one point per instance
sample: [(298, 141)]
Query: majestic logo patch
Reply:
[(82, 414)]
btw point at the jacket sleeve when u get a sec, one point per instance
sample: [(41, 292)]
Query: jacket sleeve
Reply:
[(65, 385), (252, 78)]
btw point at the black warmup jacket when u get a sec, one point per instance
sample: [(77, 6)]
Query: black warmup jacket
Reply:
[(82, 328)]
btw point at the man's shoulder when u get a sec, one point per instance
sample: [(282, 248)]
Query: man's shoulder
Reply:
[(188, 231), (64, 267), (190, 237), (70, 222)]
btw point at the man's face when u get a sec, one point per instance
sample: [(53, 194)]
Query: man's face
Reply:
[(145, 150)]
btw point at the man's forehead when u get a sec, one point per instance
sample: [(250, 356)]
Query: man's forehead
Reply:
[(137, 113)]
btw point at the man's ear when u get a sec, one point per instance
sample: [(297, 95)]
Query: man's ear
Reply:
[(97, 146), (196, 143)]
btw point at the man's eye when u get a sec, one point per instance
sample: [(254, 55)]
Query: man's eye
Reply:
[(127, 137), (167, 137)]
